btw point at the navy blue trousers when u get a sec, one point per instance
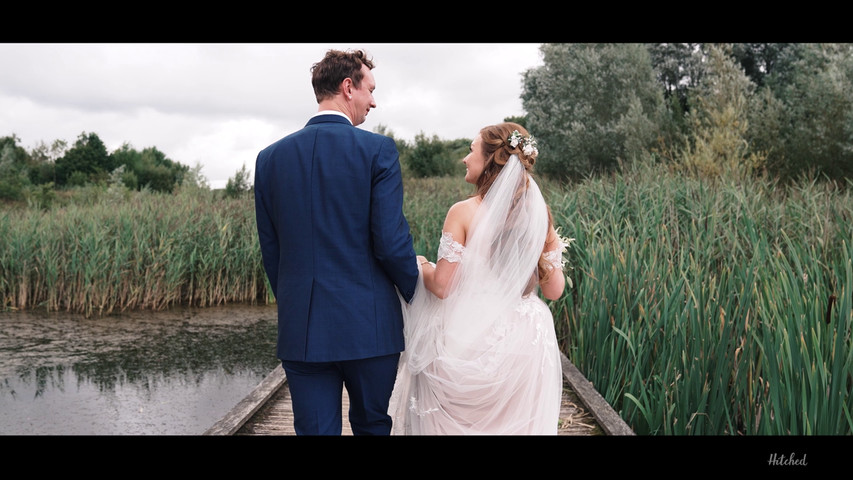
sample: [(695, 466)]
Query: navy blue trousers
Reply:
[(316, 390)]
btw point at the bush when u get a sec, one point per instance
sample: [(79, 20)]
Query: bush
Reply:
[(431, 157)]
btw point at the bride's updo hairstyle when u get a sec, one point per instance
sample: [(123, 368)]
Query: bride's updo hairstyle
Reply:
[(497, 148), (499, 143)]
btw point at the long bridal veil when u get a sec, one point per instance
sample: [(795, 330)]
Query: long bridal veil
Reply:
[(483, 360)]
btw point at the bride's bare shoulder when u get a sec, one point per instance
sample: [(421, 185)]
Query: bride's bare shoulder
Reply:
[(464, 209), (459, 217)]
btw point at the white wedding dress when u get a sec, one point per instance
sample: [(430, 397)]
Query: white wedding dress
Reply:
[(485, 360)]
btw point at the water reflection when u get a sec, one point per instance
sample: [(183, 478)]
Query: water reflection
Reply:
[(173, 372)]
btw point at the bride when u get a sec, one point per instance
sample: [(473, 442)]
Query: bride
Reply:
[(481, 352)]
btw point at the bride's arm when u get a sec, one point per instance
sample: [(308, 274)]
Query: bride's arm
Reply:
[(552, 289), (437, 277)]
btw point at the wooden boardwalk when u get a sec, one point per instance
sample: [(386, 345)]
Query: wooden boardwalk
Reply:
[(267, 410)]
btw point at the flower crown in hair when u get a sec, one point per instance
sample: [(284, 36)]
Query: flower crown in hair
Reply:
[(528, 144)]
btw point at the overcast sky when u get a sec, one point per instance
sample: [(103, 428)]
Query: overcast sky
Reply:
[(219, 104)]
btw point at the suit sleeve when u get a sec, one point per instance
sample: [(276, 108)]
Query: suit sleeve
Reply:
[(267, 235), (392, 239)]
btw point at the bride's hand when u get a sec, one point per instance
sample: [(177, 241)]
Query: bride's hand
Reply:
[(422, 259)]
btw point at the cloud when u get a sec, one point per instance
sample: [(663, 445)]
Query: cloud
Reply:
[(219, 104)]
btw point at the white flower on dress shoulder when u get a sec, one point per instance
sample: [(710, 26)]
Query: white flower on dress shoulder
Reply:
[(565, 243)]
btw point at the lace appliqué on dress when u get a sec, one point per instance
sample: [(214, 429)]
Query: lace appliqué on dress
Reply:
[(555, 257), (449, 249), (413, 407), (533, 311)]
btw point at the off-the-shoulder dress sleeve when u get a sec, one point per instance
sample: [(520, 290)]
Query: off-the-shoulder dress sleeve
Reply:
[(555, 257), (449, 249)]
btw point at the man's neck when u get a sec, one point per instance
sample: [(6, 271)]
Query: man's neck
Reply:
[(333, 106), (332, 112)]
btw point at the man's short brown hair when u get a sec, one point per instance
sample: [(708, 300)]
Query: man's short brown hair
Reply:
[(328, 73)]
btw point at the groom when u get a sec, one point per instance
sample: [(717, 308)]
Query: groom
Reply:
[(335, 244)]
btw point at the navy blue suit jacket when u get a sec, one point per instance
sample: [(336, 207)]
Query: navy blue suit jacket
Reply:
[(334, 241)]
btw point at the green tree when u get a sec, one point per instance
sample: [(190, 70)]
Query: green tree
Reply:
[(521, 120), (433, 157), (719, 121), (43, 161), (195, 179), (403, 147), (758, 60), (812, 88), (239, 183), (679, 68), (149, 168), (767, 116), (88, 157), (14, 178), (592, 106), (158, 172)]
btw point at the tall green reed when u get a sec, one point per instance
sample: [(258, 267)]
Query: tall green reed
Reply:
[(700, 307), (696, 308), (144, 251), (425, 205)]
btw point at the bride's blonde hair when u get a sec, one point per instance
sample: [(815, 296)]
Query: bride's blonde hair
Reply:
[(497, 150)]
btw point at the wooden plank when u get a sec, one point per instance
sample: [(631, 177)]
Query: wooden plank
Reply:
[(575, 420), (276, 417), (610, 421), (267, 409), (243, 411)]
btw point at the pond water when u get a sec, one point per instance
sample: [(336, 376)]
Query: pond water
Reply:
[(141, 373)]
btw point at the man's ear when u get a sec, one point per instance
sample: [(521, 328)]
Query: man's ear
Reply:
[(347, 87)]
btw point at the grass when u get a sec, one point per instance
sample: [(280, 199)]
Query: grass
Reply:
[(703, 308), (697, 307), (145, 251)]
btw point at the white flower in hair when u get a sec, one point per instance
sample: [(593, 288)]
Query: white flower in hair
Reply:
[(528, 144), (514, 139), (529, 148)]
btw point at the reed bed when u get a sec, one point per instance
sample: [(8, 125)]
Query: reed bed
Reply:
[(711, 308), (141, 251), (425, 205), (696, 308)]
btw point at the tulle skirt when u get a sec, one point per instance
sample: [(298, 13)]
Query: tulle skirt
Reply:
[(474, 371)]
